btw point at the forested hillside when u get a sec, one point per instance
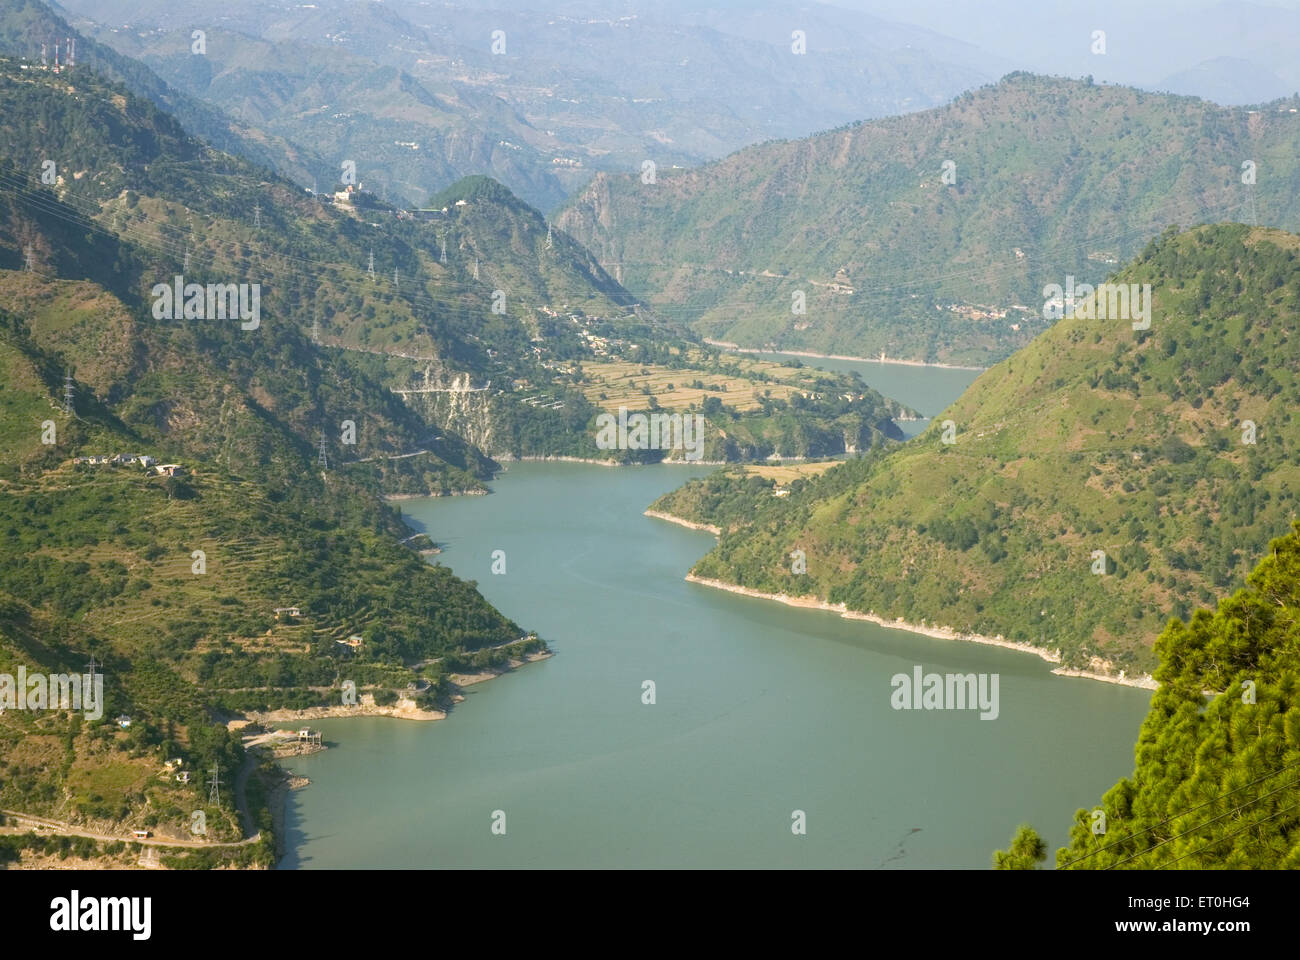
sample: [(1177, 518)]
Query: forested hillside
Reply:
[(1218, 759)]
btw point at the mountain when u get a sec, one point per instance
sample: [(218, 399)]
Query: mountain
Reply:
[(536, 96), (1235, 81), (1078, 493), (474, 310), (116, 217), (932, 236), (1161, 45), (26, 25), (1215, 779), (172, 579), (171, 584)]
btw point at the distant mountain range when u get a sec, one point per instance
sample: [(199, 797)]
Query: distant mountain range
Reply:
[(932, 236), (1228, 51), (416, 94)]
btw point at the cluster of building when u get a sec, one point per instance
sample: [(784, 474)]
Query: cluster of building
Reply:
[(971, 312), (128, 459)]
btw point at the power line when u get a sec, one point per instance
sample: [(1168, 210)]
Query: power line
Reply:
[(1183, 813), (1248, 826), (1200, 826)]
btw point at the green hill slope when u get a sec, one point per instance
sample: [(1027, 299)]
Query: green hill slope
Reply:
[(894, 251), (1095, 437)]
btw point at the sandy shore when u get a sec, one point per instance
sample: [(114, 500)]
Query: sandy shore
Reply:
[(401, 710), (1144, 682), (889, 361), (614, 463), (707, 527)]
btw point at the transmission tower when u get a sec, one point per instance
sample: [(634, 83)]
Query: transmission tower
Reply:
[(395, 280), (29, 259), (548, 237), (257, 215), (322, 458), (214, 795), (476, 268), (91, 668), (68, 393), (370, 267), (443, 241), (315, 331)]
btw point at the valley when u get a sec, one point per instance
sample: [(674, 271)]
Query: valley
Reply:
[(954, 523)]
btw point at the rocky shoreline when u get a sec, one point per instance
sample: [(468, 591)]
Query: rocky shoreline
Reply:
[(706, 527), (1144, 682)]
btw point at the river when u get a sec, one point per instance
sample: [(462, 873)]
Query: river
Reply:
[(760, 710)]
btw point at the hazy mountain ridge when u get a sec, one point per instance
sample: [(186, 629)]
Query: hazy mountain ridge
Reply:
[(1051, 178), (573, 90)]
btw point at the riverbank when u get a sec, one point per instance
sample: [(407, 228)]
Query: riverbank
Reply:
[(706, 527), (888, 361), (469, 679), (1144, 682)]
